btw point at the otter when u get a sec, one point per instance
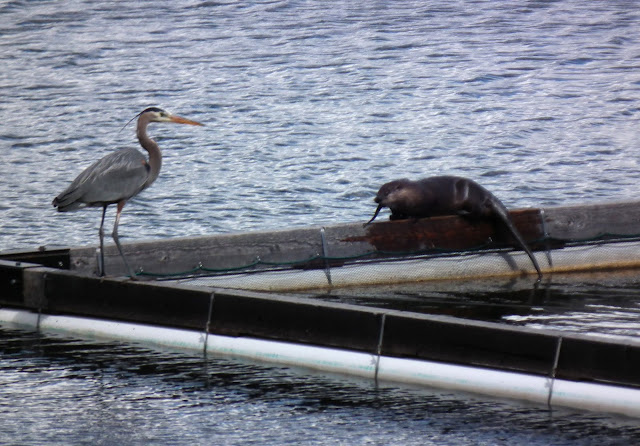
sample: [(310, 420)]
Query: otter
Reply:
[(446, 195)]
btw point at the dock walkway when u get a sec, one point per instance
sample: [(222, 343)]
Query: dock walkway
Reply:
[(200, 294)]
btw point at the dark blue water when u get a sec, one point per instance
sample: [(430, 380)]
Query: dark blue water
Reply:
[(309, 107)]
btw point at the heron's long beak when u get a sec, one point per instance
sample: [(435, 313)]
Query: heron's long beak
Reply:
[(181, 120)]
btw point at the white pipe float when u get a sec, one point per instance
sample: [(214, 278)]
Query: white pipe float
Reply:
[(539, 389), (461, 266)]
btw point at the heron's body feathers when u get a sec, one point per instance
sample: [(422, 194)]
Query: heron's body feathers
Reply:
[(118, 176)]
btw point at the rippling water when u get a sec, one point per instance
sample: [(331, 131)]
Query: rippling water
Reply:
[(108, 393), (309, 107), (603, 304)]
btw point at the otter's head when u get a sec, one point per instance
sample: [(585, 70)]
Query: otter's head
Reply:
[(390, 194)]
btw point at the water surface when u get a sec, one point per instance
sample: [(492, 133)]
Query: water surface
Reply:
[(309, 107), (57, 390)]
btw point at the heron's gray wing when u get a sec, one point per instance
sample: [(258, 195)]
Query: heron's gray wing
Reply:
[(118, 176)]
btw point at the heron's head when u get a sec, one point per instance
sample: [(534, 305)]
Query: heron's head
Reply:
[(155, 114)]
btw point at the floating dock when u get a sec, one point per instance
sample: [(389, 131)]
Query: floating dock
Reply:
[(226, 295)]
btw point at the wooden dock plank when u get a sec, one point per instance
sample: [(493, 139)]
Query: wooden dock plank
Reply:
[(347, 241), (583, 222), (307, 321), (448, 233), (222, 251)]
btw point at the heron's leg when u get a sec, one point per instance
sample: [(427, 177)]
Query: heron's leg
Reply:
[(101, 233), (114, 234)]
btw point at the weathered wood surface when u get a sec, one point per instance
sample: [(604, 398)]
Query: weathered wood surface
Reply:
[(590, 221), (447, 233), (349, 240), (547, 228)]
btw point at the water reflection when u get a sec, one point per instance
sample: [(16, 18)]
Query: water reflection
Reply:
[(107, 393), (311, 106), (599, 303)]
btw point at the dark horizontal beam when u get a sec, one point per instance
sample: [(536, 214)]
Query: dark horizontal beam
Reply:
[(124, 300), (295, 320), (470, 343), (51, 258), (308, 321)]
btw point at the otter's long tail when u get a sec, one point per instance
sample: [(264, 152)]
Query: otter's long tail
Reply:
[(503, 213)]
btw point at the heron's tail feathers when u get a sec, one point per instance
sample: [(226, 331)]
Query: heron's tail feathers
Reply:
[(65, 204)]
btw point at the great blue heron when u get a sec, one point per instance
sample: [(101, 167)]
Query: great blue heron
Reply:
[(117, 177)]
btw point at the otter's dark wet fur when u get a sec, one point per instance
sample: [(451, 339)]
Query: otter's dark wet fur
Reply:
[(446, 195)]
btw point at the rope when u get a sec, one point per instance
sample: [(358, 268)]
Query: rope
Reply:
[(373, 256)]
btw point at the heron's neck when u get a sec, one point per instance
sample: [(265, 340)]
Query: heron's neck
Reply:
[(155, 156)]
